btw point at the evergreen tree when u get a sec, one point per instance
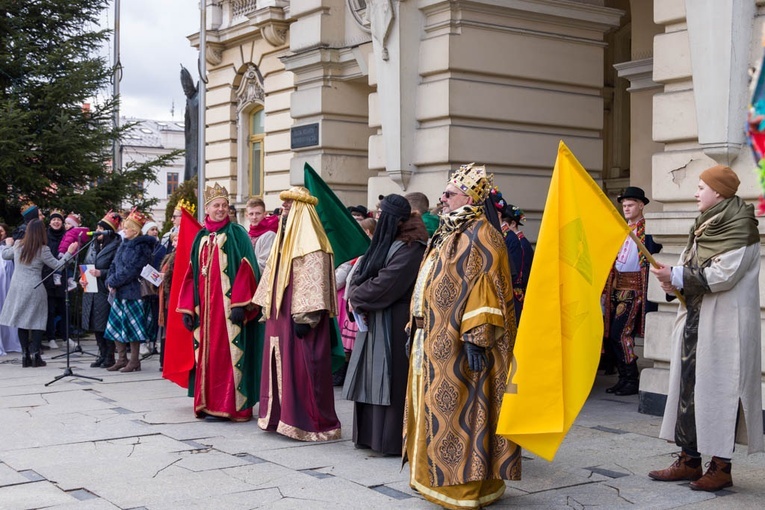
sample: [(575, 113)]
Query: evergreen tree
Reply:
[(55, 148)]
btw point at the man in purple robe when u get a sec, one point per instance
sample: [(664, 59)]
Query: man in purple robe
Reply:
[(298, 297)]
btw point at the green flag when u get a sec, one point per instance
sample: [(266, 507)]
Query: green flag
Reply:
[(348, 239)]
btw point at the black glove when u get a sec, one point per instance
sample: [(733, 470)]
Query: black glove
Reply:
[(301, 330), (237, 315), (476, 357), (188, 322)]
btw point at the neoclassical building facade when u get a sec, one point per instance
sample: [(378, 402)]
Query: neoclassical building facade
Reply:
[(384, 96)]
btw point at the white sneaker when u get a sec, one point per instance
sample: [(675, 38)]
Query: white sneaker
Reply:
[(52, 344), (144, 350), (70, 285), (72, 345)]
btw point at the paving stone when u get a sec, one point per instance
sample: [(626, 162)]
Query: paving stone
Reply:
[(9, 476), (133, 442)]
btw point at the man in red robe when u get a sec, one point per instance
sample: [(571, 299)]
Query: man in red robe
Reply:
[(215, 303), (298, 297)]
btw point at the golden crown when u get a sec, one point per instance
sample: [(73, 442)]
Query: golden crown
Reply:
[(473, 181), (217, 191), (300, 194), (112, 219), (137, 217), (185, 204), (56, 212)]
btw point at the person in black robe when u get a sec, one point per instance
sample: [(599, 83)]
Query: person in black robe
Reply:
[(379, 295)]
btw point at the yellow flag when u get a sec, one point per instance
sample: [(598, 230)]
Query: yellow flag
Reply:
[(557, 349)]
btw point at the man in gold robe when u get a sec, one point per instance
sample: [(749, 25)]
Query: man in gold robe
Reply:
[(462, 332)]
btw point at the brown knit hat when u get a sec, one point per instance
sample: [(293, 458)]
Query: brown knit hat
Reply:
[(721, 179)]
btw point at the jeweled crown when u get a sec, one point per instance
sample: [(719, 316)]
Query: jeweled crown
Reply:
[(186, 205), (217, 191), (137, 217), (473, 181)]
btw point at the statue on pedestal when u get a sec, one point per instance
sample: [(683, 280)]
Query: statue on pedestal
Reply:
[(191, 124)]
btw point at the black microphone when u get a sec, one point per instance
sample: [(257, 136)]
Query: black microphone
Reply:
[(99, 233)]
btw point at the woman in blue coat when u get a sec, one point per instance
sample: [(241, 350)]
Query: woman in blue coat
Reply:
[(130, 314)]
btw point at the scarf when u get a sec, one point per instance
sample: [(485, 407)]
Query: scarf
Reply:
[(455, 221), (214, 226), (267, 224), (723, 227), (639, 228)]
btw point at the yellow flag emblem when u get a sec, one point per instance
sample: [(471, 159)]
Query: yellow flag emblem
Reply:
[(557, 348)]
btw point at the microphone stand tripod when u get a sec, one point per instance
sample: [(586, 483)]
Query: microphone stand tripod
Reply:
[(78, 349), (68, 369)]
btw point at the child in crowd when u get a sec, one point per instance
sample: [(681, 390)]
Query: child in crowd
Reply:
[(74, 233)]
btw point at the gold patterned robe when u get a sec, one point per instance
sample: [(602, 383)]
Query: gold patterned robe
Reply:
[(463, 293)]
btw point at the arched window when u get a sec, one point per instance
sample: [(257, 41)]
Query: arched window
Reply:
[(256, 150)]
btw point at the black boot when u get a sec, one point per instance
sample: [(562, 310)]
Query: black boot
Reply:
[(632, 381), (99, 362), (36, 349), (26, 359), (338, 378), (108, 354), (621, 367)]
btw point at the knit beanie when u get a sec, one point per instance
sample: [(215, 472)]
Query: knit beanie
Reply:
[(73, 219), (721, 179), (29, 212), (56, 214), (148, 226)]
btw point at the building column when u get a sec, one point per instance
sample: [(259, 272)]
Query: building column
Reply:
[(329, 106), (701, 61)]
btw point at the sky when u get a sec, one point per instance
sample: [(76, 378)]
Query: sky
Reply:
[(153, 45)]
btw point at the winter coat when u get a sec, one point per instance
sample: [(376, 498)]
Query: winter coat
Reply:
[(26, 306), (125, 270), (54, 240), (95, 305), (728, 365)]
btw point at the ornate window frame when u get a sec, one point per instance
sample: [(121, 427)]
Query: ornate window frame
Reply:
[(250, 97), (358, 9)]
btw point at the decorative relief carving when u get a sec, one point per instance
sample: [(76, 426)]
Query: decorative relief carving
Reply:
[(214, 53), (275, 33), (243, 7), (250, 89), (358, 10)]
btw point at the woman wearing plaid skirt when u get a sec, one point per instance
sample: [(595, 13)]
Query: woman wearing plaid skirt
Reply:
[(130, 315)]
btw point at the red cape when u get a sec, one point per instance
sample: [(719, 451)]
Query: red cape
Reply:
[(179, 343)]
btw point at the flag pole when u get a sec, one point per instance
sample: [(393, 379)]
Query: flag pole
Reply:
[(652, 260)]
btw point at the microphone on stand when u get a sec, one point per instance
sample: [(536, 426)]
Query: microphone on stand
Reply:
[(99, 233)]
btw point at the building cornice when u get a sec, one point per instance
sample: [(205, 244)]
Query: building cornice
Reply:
[(639, 73)]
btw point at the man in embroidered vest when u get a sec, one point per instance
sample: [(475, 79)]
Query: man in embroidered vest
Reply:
[(715, 367), (461, 336), (215, 300), (298, 296), (625, 295)]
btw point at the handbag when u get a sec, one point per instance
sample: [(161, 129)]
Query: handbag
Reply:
[(147, 288)]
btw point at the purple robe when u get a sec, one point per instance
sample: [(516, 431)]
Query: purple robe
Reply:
[(296, 394), (9, 337)]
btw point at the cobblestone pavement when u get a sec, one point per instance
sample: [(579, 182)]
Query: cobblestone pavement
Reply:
[(131, 442)]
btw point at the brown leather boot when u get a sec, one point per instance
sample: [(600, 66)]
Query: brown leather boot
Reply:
[(134, 365), (684, 468), (121, 357), (717, 477)]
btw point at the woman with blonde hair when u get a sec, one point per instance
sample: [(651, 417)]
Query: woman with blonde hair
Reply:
[(130, 315)]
